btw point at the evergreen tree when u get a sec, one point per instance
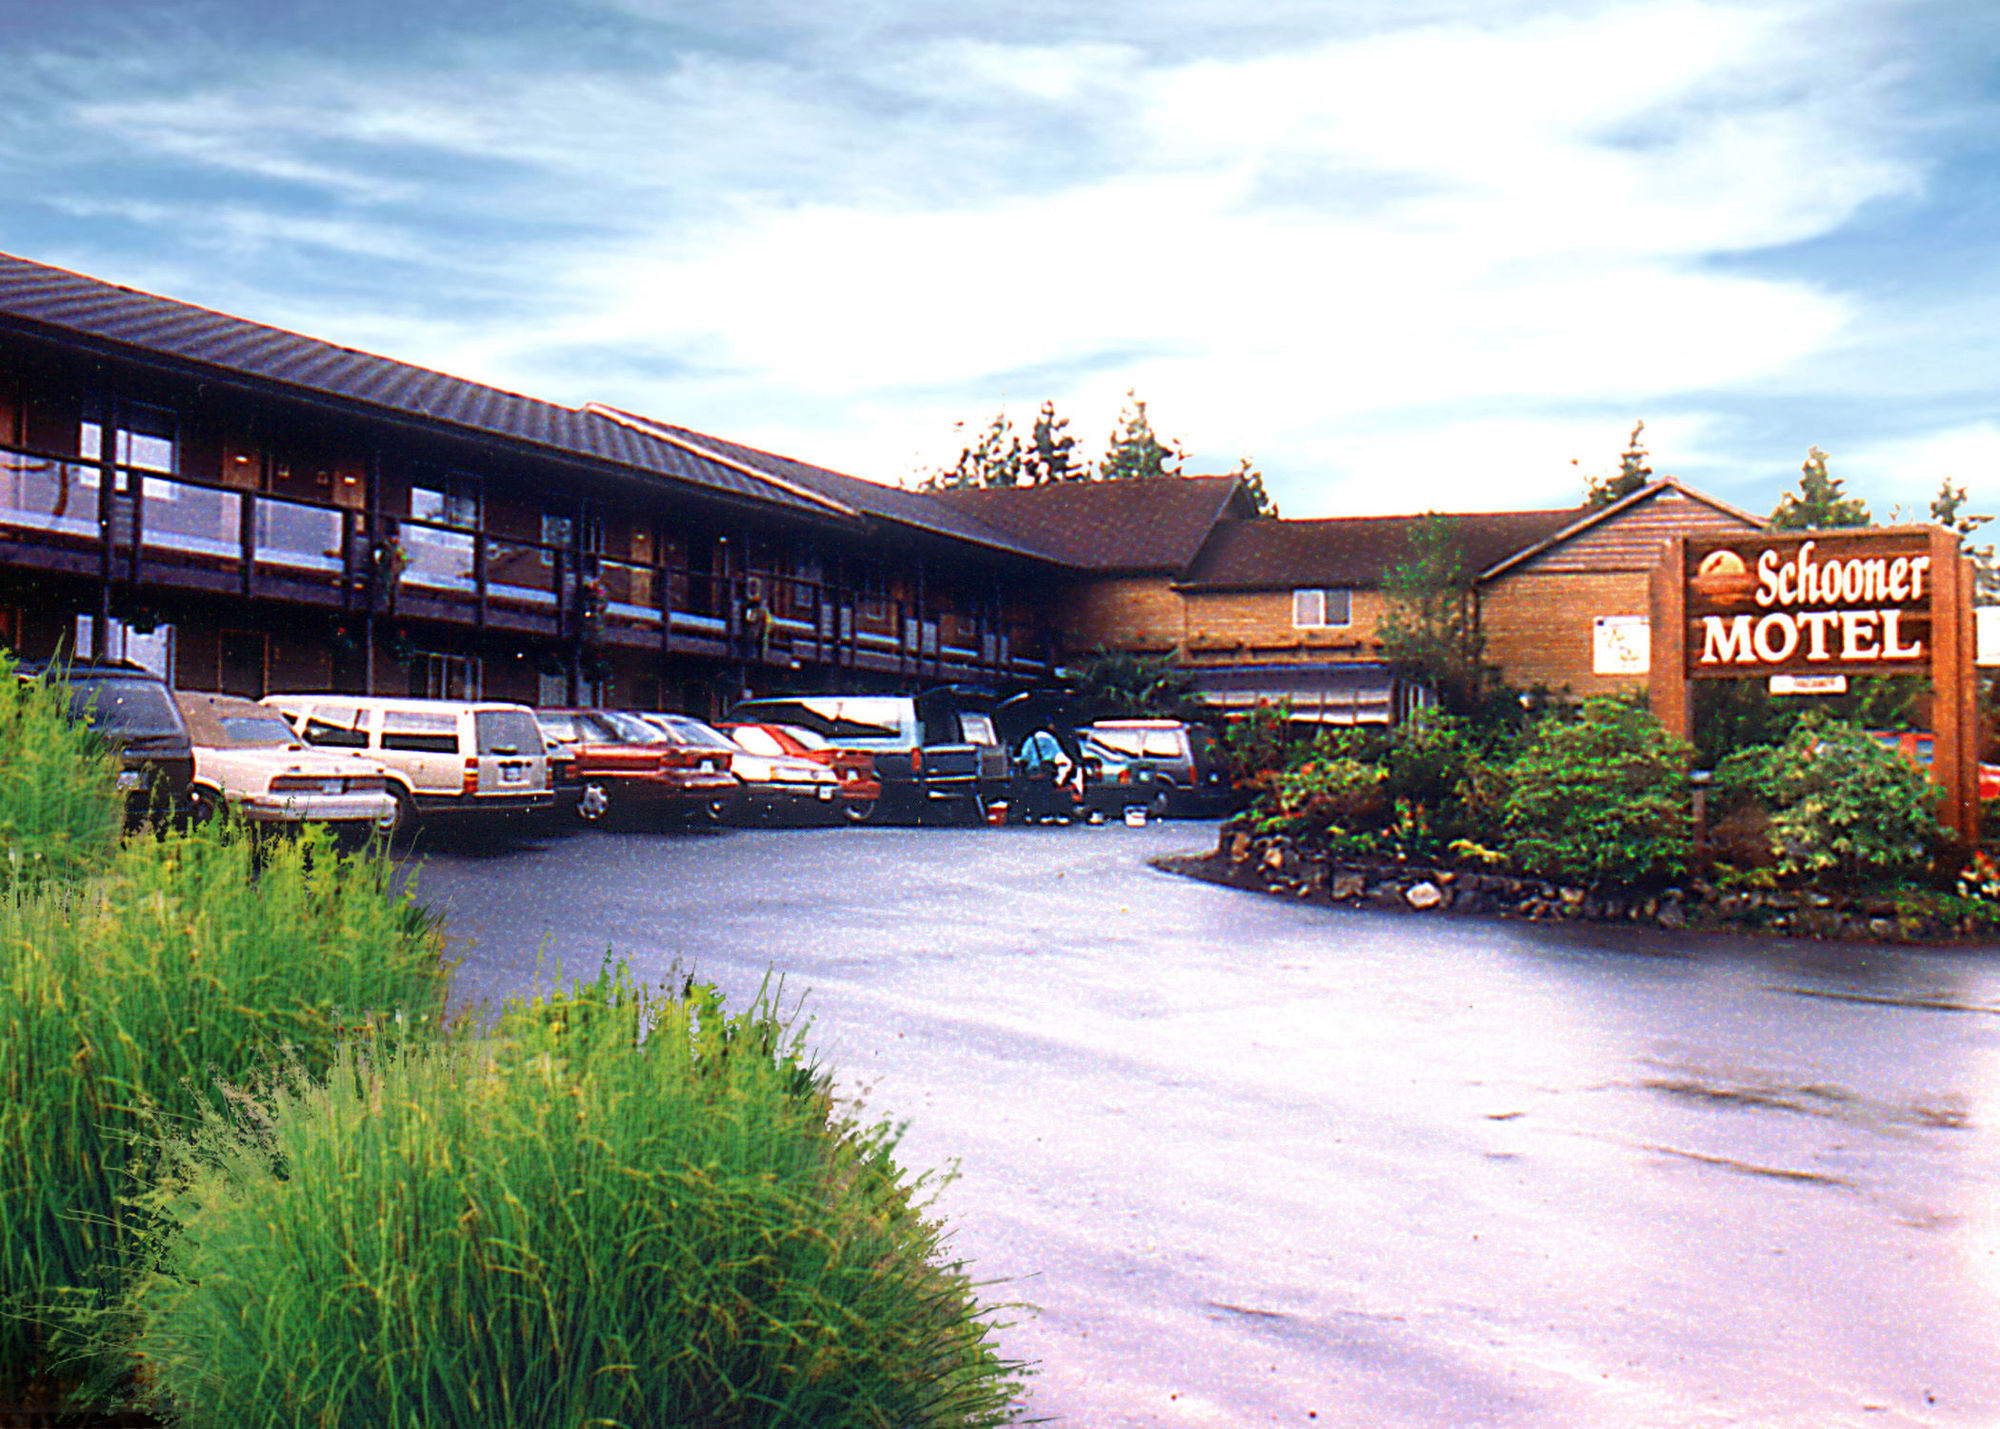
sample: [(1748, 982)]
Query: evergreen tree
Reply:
[(1051, 452), (1633, 475), (996, 459), (1818, 503), (1135, 451), (1253, 487)]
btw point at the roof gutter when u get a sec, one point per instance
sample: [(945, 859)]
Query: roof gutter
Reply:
[(653, 429)]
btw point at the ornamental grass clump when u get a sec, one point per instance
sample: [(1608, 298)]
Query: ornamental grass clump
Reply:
[(618, 1207), (190, 959), (1600, 799), (60, 809)]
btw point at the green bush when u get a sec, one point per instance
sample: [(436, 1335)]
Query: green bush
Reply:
[(60, 809), (190, 959), (1599, 799), (1838, 807), (1327, 793), (621, 1208)]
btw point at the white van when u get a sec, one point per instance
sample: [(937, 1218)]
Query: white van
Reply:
[(442, 756)]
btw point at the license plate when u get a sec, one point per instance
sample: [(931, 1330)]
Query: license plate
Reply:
[(330, 786), (826, 791), (513, 774), (130, 780)]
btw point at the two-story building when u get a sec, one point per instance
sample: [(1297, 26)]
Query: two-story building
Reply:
[(258, 510)]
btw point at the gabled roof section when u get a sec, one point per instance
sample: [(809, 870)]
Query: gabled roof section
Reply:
[(1145, 524), (1588, 521), (53, 302), (1353, 551)]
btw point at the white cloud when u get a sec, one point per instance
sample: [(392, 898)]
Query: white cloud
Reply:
[(1340, 257), (1907, 472)]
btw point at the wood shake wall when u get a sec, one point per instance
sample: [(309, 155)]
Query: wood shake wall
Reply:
[(1142, 613), (1257, 625), (1540, 616)]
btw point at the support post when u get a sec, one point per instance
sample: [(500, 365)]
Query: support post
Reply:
[(1954, 751), (1667, 683)]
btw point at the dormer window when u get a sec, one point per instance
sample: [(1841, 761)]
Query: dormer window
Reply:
[(1322, 609)]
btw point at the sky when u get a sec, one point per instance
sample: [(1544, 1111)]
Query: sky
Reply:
[(1401, 254)]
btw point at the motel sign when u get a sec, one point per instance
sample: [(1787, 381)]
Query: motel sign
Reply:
[(1812, 605)]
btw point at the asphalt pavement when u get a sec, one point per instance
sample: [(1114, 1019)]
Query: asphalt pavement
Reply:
[(1261, 1162)]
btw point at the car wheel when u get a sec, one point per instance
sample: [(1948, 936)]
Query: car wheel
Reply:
[(858, 811), (202, 804), (594, 802), (399, 820)]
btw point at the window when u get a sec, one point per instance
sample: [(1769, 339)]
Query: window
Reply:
[(449, 499), (339, 726), (556, 531), (1322, 609), (420, 731), (146, 442)]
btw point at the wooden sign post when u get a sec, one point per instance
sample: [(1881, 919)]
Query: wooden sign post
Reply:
[(1870, 601)]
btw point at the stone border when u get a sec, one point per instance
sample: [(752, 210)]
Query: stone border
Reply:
[(1278, 864)]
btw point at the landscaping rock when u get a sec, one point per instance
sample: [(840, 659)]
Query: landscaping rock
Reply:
[(1423, 895), (1348, 885)]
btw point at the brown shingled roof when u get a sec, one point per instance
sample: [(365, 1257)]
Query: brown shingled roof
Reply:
[(1355, 551), (1143, 524)]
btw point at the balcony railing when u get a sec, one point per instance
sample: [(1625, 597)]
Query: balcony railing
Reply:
[(171, 522)]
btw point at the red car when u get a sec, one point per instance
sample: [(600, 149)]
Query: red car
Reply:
[(859, 787), (608, 760), (1918, 747)]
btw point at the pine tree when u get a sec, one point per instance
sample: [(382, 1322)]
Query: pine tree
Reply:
[(1135, 451), (1818, 503), (1253, 487), (1633, 475), (1051, 452), (996, 459)]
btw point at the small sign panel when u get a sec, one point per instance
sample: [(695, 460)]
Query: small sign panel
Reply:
[(1808, 684), (1986, 621), (1621, 645)]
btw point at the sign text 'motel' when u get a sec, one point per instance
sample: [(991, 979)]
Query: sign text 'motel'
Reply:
[(1827, 602)]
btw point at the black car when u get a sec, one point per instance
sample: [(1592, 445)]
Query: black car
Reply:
[(133, 710), (921, 754)]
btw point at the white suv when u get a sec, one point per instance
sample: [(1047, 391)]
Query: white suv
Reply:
[(443, 756)]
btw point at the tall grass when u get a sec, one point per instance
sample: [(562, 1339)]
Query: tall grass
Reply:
[(124, 1000), (619, 1208), (60, 809)]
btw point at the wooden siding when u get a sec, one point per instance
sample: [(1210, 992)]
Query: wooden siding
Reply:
[(1142, 613), (1539, 626), (1630, 541), (1257, 625)]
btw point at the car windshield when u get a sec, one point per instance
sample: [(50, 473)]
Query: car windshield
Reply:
[(260, 731), (683, 730), (558, 729), (630, 728), (507, 732), (978, 728), (757, 741), (125, 707), (806, 737)]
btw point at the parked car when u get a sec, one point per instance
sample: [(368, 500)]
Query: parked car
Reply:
[(858, 790), (248, 759), (767, 786), (1059, 771), (444, 757), (921, 754), (133, 710), (1115, 782), (1180, 754), (611, 761), (1919, 746)]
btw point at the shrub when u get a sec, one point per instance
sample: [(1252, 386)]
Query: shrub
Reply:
[(1325, 794), (621, 1208), (1599, 799), (60, 809), (120, 1000), (1837, 807), (1256, 744)]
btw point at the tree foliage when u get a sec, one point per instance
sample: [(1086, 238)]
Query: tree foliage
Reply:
[(1119, 683), (1633, 475), (1819, 502), (1600, 799), (1135, 449), (1430, 628), (1253, 487), (1051, 454), (994, 458)]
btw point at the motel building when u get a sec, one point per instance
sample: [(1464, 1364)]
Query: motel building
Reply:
[(250, 510)]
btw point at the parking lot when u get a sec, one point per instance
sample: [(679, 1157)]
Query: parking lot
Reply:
[(1259, 1162)]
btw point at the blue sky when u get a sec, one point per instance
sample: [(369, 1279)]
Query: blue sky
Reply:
[(1405, 255)]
